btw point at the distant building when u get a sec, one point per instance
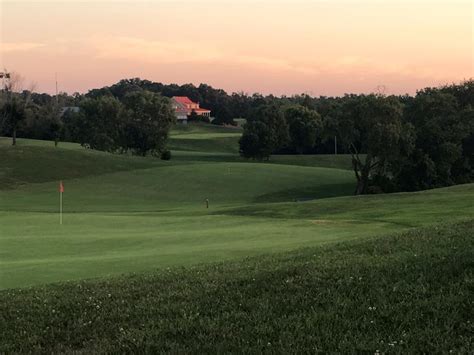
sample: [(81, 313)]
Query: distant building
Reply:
[(240, 121), (183, 106), (69, 109)]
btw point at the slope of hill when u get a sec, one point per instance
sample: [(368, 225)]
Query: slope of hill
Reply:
[(39, 161), (378, 291), (125, 214), (405, 293), (204, 142), (199, 137)]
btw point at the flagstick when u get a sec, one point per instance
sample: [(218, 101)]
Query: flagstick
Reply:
[(60, 208)]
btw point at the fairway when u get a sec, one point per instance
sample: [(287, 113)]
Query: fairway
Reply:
[(129, 214)]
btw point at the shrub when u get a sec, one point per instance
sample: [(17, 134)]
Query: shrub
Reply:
[(166, 155)]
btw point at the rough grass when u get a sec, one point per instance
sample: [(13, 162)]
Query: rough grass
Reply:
[(406, 293)]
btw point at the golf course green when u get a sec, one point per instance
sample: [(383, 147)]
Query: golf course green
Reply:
[(284, 260), (131, 214)]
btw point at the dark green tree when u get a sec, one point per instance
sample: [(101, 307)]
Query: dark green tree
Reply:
[(99, 123), (443, 132), (56, 129), (149, 119), (373, 125), (256, 141), (265, 132), (223, 115), (14, 111), (304, 126)]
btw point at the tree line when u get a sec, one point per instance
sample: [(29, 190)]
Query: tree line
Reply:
[(28, 114), (139, 123), (397, 143)]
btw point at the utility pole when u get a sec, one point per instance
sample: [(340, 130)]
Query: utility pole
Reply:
[(335, 145), (58, 113)]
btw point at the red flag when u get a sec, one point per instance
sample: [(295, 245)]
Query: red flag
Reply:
[(61, 187)]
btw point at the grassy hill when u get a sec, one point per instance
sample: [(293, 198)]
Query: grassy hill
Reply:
[(406, 293), (243, 285), (126, 213), (201, 142), (205, 138), (38, 161)]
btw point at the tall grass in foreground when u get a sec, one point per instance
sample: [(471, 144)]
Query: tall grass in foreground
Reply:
[(410, 292)]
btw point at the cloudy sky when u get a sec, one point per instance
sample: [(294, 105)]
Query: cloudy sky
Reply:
[(280, 47)]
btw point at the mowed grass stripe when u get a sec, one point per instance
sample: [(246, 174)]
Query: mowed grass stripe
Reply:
[(102, 244), (182, 186), (95, 245), (404, 293)]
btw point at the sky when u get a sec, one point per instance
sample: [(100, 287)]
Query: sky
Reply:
[(322, 47)]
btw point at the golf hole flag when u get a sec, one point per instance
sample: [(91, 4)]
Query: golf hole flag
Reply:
[(61, 190)]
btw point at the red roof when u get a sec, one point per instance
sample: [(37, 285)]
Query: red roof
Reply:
[(183, 100)]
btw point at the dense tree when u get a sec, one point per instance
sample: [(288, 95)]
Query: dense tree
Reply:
[(223, 115), (256, 142), (304, 127), (14, 111), (148, 121), (240, 104), (397, 143), (41, 122), (98, 124), (139, 123), (14, 103), (463, 92), (373, 125), (329, 109), (265, 132), (55, 127), (443, 132)]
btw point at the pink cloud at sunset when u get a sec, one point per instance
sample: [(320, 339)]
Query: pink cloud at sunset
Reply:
[(282, 47)]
